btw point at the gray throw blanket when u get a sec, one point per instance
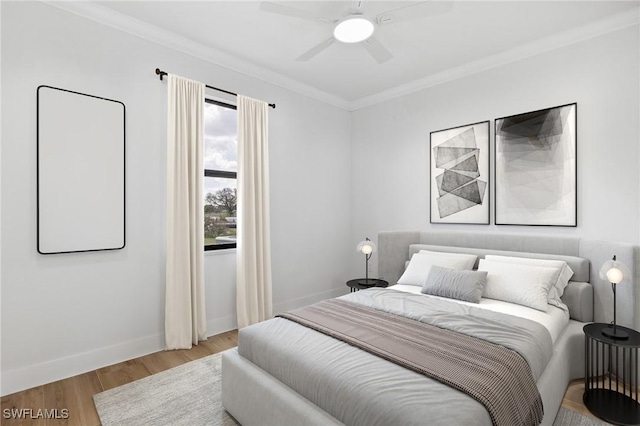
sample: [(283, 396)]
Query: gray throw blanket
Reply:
[(497, 377)]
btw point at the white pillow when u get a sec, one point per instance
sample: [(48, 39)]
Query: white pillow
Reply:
[(561, 278), (470, 258), (420, 265), (515, 283)]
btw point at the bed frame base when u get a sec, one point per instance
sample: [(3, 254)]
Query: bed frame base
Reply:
[(254, 397)]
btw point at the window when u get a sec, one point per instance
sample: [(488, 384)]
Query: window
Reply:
[(220, 175)]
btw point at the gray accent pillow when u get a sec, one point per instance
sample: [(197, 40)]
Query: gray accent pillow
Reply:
[(455, 284)]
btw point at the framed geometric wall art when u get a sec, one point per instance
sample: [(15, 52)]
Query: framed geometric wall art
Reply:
[(535, 162), (459, 171)]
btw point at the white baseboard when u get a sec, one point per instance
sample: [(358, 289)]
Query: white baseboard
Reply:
[(288, 305), (35, 375), (220, 325), (31, 376)]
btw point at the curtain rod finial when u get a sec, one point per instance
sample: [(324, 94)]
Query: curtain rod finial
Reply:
[(160, 73)]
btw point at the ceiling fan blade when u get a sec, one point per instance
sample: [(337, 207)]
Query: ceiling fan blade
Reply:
[(358, 5), (280, 9), (413, 11), (377, 50), (315, 50)]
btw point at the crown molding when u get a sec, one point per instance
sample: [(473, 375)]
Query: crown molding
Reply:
[(138, 28), (556, 41)]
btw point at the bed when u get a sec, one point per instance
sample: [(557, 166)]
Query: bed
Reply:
[(284, 373)]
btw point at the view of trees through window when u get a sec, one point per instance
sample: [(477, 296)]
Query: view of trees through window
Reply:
[(221, 166)]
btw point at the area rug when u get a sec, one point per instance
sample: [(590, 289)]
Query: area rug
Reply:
[(572, 418), (185, 395), (190, 395)]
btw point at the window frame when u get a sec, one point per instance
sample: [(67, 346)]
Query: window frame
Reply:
[(220, 174)]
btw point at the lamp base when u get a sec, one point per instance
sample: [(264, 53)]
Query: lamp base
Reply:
[(615, 333), (368, 282)]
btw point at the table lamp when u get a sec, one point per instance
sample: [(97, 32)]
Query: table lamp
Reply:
[(367, 247), (614, 272)]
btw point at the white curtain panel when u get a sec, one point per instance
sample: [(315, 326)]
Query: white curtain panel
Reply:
[(185, 319), (254, 242)]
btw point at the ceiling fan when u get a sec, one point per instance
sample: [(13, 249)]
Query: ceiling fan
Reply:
[(354, 26)]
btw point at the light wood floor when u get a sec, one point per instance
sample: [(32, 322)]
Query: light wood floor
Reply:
[(75, 393)]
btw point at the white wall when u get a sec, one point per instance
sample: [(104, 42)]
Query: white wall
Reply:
[(66, 314), (336, 178), (390, 141)]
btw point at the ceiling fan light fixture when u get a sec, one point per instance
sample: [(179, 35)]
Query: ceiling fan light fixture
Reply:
[(353, 29)]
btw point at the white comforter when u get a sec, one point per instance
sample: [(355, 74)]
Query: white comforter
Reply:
[(554, 320), (355, 387)]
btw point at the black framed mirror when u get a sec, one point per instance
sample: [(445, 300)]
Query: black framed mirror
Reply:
[(81, 172)]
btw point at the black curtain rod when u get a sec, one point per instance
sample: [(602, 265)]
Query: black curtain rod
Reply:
[(162, 74)]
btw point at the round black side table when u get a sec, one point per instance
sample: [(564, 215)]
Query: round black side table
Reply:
[(355, 285), (613, 398)]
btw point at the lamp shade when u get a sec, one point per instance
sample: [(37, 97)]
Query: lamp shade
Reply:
[(367, 247), (614, 271)]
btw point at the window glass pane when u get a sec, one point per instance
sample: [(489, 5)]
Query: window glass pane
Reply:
[(220, 138), (220, 203)]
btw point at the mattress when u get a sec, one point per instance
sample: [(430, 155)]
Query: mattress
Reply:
[(354, 386)]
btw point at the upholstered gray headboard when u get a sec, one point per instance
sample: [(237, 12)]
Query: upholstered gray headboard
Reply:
[(394, 251)]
